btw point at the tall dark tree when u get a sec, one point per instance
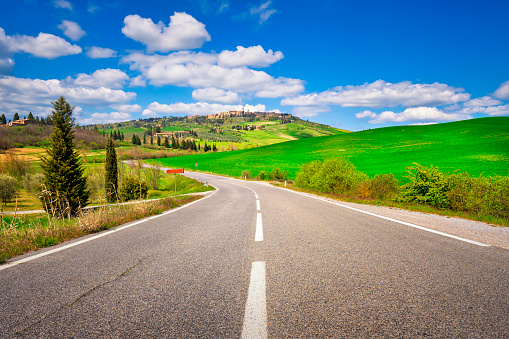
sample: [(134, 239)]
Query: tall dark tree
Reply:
[(16, 116), (3, 120), (166, 143), (31, 116), (158, 140), (66, 190), (111, 176)]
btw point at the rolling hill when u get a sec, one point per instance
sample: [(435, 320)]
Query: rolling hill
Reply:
[(476, 146)]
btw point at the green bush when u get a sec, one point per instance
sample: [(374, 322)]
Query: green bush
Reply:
[(306, 172), (383, 187), (246, 174), (33, 183), (263, 175), (278, 175), (132, 189), (337, 176), (7, 188), (481, 195), (427, 186)]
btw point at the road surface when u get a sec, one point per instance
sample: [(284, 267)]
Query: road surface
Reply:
[(255, 261)]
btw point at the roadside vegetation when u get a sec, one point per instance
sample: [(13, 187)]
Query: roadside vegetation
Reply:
[(24, 233), (479, 198)]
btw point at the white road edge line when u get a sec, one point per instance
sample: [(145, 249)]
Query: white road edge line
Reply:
[(257, 205), (255, 317), (394, 220), (259, 228), (33, 257)]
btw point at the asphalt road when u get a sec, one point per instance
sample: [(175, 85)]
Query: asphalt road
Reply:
[(256, 261)]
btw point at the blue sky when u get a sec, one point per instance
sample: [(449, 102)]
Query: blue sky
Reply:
[(350, 64)]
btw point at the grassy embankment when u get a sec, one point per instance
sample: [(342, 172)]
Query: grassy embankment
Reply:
[(22, 234), (476, 146)]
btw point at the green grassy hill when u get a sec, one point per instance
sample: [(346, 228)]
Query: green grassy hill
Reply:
[(476, 146)]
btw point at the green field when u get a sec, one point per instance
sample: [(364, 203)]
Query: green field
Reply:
[(476, 146), (273, 133)]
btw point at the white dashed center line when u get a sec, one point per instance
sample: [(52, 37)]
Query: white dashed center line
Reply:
[(259, 228), (255, 317)]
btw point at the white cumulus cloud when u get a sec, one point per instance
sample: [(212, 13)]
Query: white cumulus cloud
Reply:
[(200, 70), (110, 78), (309, 111), (127, 108), (482, 102), (71, 30), (503, 91), (138, 81), (216, 95), (383, 94), (417, 114), (490, 110), (183, 32), (45, 45), (19, 94), (95, 52), (254, 56), (197, 108), (106, 118)]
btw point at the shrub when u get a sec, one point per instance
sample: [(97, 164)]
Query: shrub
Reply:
[(428, 186), (7, 188), (14, 165), (132, 188), (307, 171), (383, 187), (278, 175), (246, 174), (33, 183), (338, 176), (482, 195), (263, 175)]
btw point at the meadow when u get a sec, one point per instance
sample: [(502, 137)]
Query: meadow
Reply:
[(478, 146)]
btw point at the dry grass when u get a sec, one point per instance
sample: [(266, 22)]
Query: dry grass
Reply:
[(22, 234)]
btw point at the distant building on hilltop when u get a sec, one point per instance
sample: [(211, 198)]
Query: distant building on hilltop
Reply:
[(21, 122)]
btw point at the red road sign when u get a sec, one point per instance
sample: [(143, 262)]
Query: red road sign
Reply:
[(176, 170)]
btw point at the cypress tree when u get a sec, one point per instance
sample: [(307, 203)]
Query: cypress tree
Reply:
[(3, 120), (151, 140), (31, 116), (158, 140), (144, 139), (66, 190), (166, 142), (111, 176), (16, 116)]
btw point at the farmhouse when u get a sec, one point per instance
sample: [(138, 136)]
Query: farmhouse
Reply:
[(21, 122)]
